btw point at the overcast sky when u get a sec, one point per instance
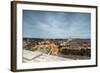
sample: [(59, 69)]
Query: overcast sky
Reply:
[(52, 24)]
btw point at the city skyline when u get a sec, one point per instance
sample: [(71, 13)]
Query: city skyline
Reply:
[(52, 24)]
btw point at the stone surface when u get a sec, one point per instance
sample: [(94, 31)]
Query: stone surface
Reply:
[(36, 56)]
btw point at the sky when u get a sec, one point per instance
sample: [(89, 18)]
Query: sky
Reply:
[(56, 24)]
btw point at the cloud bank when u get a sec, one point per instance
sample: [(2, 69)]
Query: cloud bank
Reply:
[(52, 24)]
